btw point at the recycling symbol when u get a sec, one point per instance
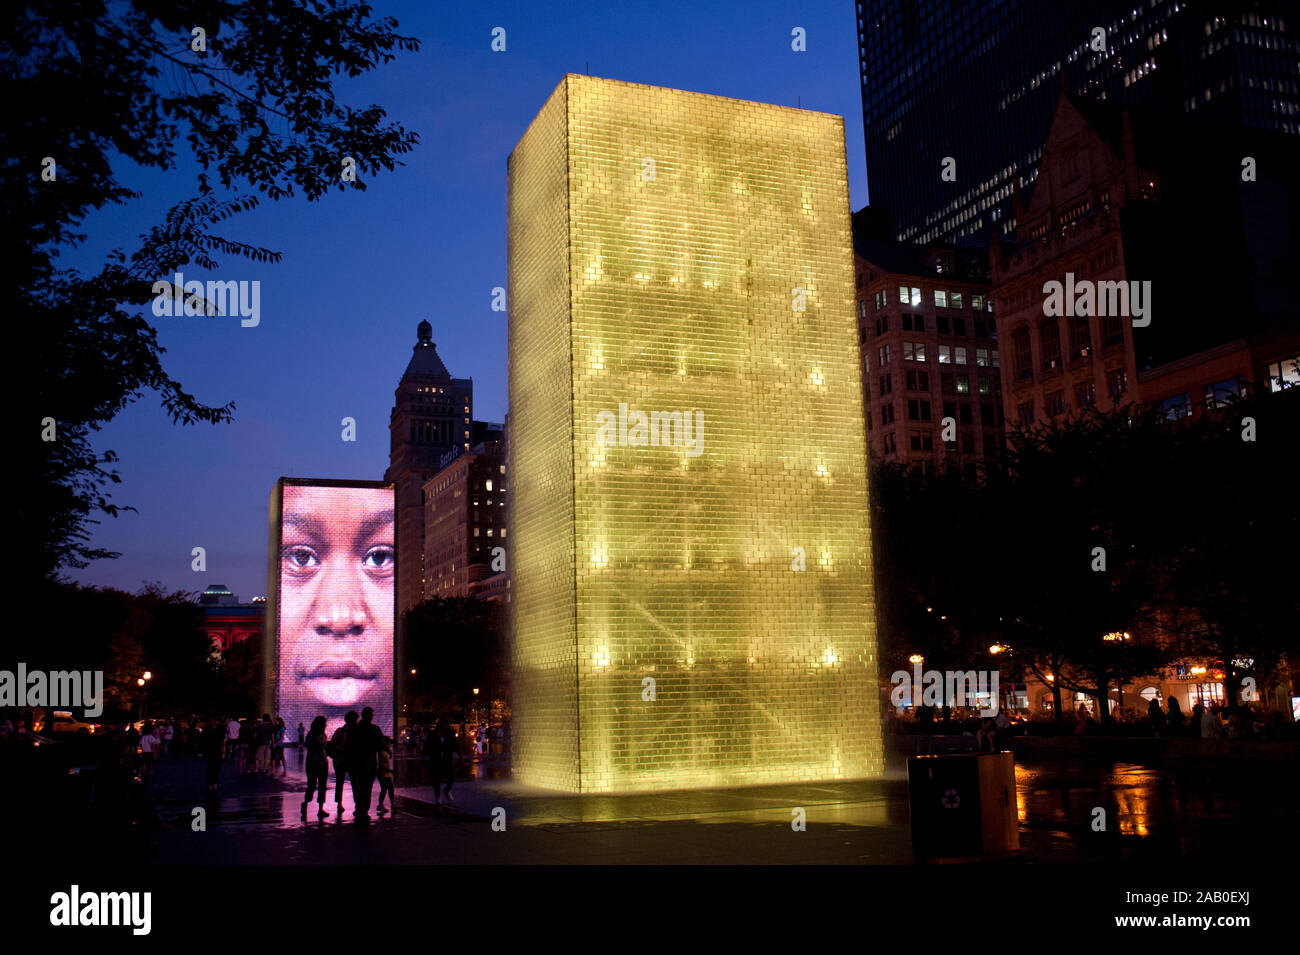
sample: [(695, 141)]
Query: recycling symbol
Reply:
[(950, 799)]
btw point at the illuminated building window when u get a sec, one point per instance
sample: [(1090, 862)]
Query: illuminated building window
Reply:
[(1284, 374), (1117, 382), (1080, 337), (882, 356), (977, 302), (914, 351), (487, 485), (954, 300), (940, 298), (959, 355), (489, 532), (985, 385), (1175, 407), (982, 359), (476, 532), (945, 354), (1086, 394)]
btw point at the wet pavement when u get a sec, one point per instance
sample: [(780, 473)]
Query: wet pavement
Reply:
[(1198, 811)]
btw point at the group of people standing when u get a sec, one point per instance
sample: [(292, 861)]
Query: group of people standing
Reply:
[(257, 746), (1207, 722), (361, 753)]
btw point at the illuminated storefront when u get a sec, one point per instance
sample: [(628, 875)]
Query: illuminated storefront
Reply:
[(691, 566)]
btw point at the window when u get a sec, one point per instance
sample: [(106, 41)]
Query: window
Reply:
[(1112, 330), (982, 358), (904, 296), (1284, 374), (1054, 403), (918, 409), (990, 445), (945, 354), (859, 280), (963, 385), (1117, 383), (941, 323), (993, 353), (1086, 394), (954, 300), (967, 442), (915, 299), (862, 309), (487, 485), (913, 323), (887, 413), (1175, 407), (977, 302), (966, 413), (918, 381), (985, 385), (1221, 393), (921, 440), (1049, 336), (882, 324), (950, 410), (959, 355), (914, 351), (940, 298), (1080, 337), (1026, 412), (886, 384), (882, 356), (887, 442), (1024, 361), (981, 328), (959, 326), (946, 382), (986, 414)]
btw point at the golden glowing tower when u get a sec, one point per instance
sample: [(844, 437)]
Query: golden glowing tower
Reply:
[(691, 563)]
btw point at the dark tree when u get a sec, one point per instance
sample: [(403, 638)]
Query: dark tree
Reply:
[(92, 87)]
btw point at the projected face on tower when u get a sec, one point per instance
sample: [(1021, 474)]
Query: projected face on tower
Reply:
[(336, 603)]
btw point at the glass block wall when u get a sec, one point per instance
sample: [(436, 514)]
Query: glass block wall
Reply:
[(691, 571)]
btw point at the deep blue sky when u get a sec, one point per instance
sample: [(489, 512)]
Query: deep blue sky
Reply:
[(360, 270)]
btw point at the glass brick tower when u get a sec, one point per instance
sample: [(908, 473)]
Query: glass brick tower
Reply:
[(691, 565)]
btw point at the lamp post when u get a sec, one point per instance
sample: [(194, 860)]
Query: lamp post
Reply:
[(142, 682)]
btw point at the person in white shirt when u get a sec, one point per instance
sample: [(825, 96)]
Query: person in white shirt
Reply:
[(232, 738), (148, 744)]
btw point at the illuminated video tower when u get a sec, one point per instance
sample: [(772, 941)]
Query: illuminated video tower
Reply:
[(687, 452)]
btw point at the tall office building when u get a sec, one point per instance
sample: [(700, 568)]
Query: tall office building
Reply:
[(977, 82), (691, 566), (431, 416)]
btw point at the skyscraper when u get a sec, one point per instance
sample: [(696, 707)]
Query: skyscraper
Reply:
[(431, 416), (976, 83), (691, 566)]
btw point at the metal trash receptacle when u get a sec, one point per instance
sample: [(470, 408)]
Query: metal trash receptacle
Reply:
[(963, 807)]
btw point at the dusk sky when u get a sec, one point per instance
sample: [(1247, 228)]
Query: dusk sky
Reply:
[(360, 270)]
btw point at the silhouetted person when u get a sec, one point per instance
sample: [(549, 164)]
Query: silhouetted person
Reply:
[(1157, 716), (1176, 718), (440, 751), (317, 766), (338, 752), (386, 777), (213, 745), (361, 752)]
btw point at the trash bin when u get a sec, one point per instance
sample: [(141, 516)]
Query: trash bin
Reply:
[(963, 807)]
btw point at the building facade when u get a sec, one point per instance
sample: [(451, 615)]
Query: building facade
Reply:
[(1144, 270), (976, 82), (927, 340), (226, 621), (465, 526), (691, 569), (432, 415)]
